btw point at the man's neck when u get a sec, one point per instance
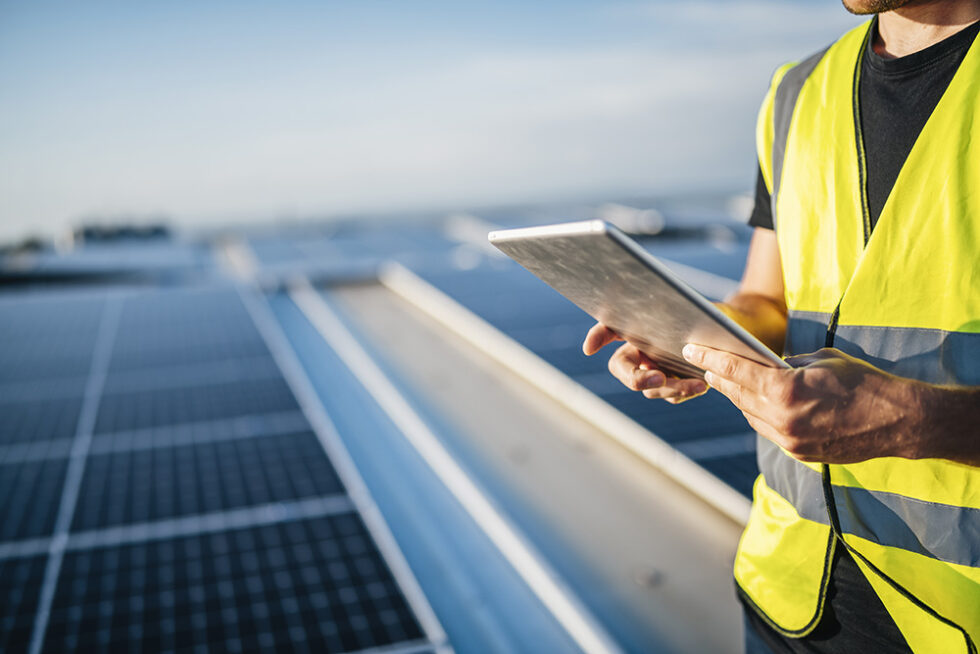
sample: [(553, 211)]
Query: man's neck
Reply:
[(922, 23)]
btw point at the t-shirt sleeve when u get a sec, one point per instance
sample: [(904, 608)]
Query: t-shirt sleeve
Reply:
[(762, 211)]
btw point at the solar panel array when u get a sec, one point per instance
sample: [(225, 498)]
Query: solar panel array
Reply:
[(161, 489)]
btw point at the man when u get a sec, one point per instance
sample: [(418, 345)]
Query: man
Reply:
[(865, 527)]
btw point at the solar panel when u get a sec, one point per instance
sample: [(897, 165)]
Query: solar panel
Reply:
[(18, 367), (306, 586), (30, 493), (207, 515), (159, 483), (196, 373), (135, 410), (170, 328), (20, 587), (38, 420), (25, 317)]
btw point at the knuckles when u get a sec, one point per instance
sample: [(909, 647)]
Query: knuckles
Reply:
[(729, 368)]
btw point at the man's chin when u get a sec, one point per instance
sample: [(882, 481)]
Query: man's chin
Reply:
[(865, 7)]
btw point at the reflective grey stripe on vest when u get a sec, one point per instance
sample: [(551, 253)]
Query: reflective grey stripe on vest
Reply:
[(796, 483), (787, 93), (941, 531), (930, 355)]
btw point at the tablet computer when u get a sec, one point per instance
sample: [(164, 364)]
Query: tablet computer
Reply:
[(613, 279)]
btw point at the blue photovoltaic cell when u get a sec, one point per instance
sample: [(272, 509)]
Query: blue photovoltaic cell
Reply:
[(16, 367), (27, 318), (30, 494), (20, 587), (159, 483), (47, 339), (165, 329), (168, 353), (307, 586), (191, 373), (38, 420), (171, 406)]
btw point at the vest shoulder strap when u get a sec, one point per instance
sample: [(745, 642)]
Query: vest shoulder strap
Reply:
[(784, 102)]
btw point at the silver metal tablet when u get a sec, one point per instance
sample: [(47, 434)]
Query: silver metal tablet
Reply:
[(613, 279)]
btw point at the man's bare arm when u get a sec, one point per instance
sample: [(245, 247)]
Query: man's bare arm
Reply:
[(759, 304)]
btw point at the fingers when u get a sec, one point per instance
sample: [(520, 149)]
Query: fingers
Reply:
[(746, 400), (598, 337), (744, 372), (676, 391), (634, 369), (638, 372)]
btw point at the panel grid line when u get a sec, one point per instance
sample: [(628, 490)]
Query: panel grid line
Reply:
[(550, 589), (146, 378), (108, 327), (333, 446), (201, 432), (191, 525)]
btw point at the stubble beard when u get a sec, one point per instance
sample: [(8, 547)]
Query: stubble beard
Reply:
[(864, 7)]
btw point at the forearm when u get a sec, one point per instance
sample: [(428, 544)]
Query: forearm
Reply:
[(762, 316), (759, 304), (948, 424)]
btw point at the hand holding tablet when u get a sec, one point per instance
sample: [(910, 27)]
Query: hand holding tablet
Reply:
[(640, 373), (633, 296)]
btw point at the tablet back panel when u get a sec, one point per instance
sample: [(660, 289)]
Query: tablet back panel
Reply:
[(610, 277)]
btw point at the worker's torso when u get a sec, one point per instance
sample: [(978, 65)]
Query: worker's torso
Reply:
[(905, 297)]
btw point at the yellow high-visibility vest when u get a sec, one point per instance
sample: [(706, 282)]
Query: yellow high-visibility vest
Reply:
[(906, 298)]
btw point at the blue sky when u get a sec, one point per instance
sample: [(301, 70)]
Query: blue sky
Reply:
[(216, 112)]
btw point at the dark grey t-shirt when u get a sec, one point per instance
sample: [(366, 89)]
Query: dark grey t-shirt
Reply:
[(896, 98)]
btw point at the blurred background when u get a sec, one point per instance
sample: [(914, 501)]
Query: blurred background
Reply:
[(264, 386)]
